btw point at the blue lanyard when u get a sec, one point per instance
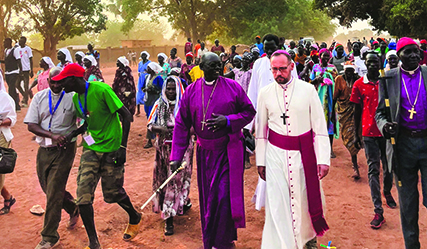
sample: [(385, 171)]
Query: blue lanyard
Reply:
[(84, 110), (56, 106)]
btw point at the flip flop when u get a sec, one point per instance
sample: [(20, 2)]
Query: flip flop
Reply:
[(6, 209), (132, 230)]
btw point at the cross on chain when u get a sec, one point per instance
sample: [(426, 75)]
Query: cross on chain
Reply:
[(284, 118), (412, 111)]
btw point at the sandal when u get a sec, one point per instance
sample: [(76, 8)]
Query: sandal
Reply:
[(6, 208), (132, 230)]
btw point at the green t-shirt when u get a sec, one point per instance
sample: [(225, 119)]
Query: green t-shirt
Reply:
[(103, 121)]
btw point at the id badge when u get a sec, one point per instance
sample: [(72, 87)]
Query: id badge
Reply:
[(88, 139), (48, 141)]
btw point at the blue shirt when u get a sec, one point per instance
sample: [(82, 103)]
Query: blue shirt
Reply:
[(260, 47)]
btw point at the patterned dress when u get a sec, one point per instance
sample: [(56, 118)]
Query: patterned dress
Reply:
[(124, 87), (172, 198), (325, 90)]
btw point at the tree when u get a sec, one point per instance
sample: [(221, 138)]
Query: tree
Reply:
[(58, 20), (398, 17), (231, 20), (7, 27)]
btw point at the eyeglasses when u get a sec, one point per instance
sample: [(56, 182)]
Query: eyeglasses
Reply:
[(281, 69)]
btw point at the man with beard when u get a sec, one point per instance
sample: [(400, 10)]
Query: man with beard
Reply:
[(217, 109), (290, 117), (261, 77), (407, 123), (365, 97), (345, 109)]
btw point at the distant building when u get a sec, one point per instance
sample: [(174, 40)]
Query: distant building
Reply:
[(136, 43)]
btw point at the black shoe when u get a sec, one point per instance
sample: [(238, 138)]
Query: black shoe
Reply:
[(148, 145), (390, 201), (187, 207), (169, 226), (377, 221), (333, 155)]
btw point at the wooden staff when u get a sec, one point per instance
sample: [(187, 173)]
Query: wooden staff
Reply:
[(183, 165)]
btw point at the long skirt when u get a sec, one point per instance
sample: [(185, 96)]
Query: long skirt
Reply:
[(345, 110), (175, 195)]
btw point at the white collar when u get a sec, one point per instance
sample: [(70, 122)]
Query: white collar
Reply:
[(209, 83), (409, 72)]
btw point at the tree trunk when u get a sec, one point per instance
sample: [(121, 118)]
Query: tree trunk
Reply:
[(49, 46)]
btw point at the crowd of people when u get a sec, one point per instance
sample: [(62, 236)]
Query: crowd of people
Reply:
[(292, 98)]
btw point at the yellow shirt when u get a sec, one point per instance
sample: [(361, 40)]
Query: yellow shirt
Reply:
[(196, 73)]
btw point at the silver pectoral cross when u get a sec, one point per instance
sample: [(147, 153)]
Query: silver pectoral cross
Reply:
[(203, 124)]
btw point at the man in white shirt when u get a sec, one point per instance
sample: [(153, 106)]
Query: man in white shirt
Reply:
[(292, 155), (202, 50), (51, 117), (11, 56), (25, 62)]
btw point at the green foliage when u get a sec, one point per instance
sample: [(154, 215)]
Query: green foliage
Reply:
[(398, 17), (232, 21), (58, 20)]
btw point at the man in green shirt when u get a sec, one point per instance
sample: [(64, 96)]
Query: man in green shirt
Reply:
[(104, 152)]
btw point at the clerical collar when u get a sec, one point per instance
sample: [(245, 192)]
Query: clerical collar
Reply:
[(286, 85), (410, 72), (210, 82)]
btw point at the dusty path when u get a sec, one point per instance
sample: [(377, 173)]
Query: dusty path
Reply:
[(349, 207)]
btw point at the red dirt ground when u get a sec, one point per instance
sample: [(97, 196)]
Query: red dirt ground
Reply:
[(349, 208)]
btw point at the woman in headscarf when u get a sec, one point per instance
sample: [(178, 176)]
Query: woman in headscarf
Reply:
[(174, 198), (79, 55), (124, 85), (64, 57), (322, 77), (92, 72), (186, 67), (174, 61), (162, 58), (42, 75), (152, 86), (142, 69), (242, 75), (7, 104), (345, 109)]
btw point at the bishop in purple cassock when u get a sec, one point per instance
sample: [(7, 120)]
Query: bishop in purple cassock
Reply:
[(217, 108)]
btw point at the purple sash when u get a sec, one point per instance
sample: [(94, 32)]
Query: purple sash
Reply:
[(235, 152), (304, 144)]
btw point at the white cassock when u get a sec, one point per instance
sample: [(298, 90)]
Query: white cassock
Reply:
[(287, 218), (261, 77)]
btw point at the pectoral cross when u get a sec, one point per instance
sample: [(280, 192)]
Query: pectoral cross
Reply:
[(412, 111), (203, 124), (284, 118)]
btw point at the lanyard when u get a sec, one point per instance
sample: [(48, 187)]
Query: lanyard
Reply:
[(56, 106), (84, 110)]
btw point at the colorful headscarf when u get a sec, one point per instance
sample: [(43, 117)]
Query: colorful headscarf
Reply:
[(315, 47), (189, 54), (238, 57), (155, 67), (255, 49), (314, 53), (48, 61), (324, 50), (164, 100), (145, 52), (92, 59), (248, 56), (423, 41), (163, 55), (392, 46)]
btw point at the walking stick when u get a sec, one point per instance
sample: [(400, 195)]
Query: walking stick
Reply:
[(389, 119), (183, 165)]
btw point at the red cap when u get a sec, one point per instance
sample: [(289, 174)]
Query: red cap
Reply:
[(73, 69), (423, 42), (403, 42)]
